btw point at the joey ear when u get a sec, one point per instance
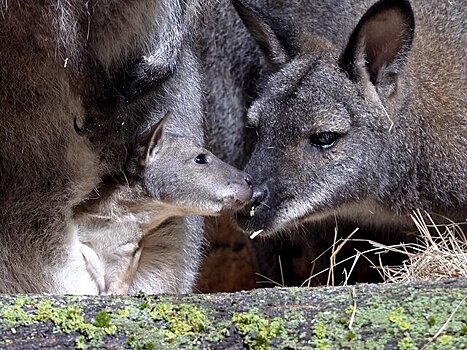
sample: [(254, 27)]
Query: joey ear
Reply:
[(267, 35), (152, 138), (379, 46)]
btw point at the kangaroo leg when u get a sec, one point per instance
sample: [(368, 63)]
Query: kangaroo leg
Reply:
[(121, 284)]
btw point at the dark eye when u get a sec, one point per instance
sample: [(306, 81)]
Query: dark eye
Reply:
[(201, 159), (324, 140)]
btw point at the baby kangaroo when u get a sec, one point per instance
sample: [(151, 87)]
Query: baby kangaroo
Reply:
[(134, 239)]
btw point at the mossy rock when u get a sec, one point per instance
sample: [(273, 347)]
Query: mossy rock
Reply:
[(399, 316)]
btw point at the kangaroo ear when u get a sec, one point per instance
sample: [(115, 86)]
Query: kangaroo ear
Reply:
[(152, 138), (267, 35), (379, 46)]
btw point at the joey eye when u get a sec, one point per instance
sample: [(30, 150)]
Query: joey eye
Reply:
[(201, 159), (324, 140)]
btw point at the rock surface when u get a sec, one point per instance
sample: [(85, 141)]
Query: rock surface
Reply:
[(411, 316)]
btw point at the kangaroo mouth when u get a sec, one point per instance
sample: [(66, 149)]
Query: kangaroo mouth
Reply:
[(253, 218), (260, 219), (253, 207), (249, 211)]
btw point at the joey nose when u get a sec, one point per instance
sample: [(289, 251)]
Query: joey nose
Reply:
[(243, 193), (242, 190)]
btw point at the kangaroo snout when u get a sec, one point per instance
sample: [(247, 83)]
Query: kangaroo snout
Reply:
[(258, 198), (260, 193), (251, 216)]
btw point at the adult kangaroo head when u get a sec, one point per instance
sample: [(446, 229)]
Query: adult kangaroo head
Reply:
[(339, 126)]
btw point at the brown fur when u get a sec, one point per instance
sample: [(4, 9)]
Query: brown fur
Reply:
[(57, 62)]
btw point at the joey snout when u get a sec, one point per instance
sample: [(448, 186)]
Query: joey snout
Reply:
[(239, 191)]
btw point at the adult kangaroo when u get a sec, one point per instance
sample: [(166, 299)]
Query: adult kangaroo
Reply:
[(363, 116)]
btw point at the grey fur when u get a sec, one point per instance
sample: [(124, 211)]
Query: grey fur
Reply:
[(232, 67), (402, 122)]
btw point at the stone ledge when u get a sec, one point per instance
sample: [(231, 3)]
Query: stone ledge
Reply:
[(398, 316)]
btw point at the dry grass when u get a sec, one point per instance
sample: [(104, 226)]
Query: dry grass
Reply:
[(270, 280), (440, 253)]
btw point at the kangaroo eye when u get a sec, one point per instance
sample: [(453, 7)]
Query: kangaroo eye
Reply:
[(324, 140), (201, 159)]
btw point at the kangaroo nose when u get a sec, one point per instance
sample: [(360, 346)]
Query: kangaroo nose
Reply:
[(260, 193)]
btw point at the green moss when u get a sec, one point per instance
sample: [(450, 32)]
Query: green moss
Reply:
[(399, 318), (123, 313), (15, 315), (67, 319), (406, 344), (463, 330), (102, 319), (320, 333), (80, 343), (182, 319), (445, 339), (394, 326), (320, 330), (160, 325), (431, 321), (70, 319), (308, 321), (136, 343), (257, 331)]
